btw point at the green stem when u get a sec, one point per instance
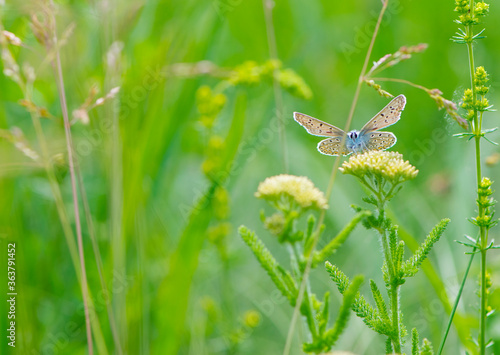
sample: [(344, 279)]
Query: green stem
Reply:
[(483, 237), (457, 300), (278, 96), (71, 160), (396, 341), (394, 287), (482, 335)]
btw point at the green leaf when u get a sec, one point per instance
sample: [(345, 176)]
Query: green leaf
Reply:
[(379, 301), (410, 267), (336, 242), (173, 293), (426, 348), (349, 298), (360, 306), (414, 342), (268, 263)]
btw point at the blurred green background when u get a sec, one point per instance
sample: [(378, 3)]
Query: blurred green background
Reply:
[(174, 291)]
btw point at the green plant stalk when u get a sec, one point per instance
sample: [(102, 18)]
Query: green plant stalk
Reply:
[(278, 96), (307, 309), (483, 235), (455, 305), (394, 288), (69, 145), (333, 174)]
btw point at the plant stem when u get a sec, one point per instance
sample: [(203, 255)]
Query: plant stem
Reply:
[(278, 97), (69, 146), (394, 287), (457, 300), (476, 128), (396, 341)]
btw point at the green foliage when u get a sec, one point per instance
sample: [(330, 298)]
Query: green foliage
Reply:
[(414, 342), (268, 263), (426, 348), (339, 239), (411, 266), (379, 301), (375, 171), (291, 196), (350, 294)]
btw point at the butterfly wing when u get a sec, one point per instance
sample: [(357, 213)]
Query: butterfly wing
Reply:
[(388, 116), (317, 127), (333, 146), (380, 140)]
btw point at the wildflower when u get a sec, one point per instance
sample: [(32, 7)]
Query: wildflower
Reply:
[(294, 84), (12, 38), (248, 73), (218, 233), (16, 137), (462, 6), (374, 168), (481, 76), (481, 8), (275, 224), (286, 191), (467, 100), (251, 318)]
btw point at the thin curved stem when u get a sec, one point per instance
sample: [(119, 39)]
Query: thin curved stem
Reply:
[(457, 300), (278, 95), (71, 159)]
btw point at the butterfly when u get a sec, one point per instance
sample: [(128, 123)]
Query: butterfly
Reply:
[(368, 138)]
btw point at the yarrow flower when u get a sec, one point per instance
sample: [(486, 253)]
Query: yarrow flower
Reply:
[(380, 165), (284, 191)]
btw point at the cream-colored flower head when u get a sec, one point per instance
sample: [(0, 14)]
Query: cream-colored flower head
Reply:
[(388, 166), (299, 189)]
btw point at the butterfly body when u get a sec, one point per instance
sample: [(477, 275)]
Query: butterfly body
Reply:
[(368, 138)]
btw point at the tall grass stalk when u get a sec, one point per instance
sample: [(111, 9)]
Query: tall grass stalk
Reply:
[(69, 146), (278, 95), (333, 174)]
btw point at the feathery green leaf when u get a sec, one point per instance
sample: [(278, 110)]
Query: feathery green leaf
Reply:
[(411, 266), (267, 261)]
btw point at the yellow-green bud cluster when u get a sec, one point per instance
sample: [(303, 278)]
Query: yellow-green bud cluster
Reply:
[(209, 105), (251, 318), (275, 224), (485, 202), (221, 203), (250, 73), (218, 233), (481, 78), (466, 17), (214, 157), (481, 8), (462, 6), (467, 100)]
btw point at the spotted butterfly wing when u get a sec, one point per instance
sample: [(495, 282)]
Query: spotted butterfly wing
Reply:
[(387, 116), (380, 140), (333, 146), (317, 127)]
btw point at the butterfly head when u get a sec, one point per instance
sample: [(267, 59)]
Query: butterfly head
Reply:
[(353, 134)]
